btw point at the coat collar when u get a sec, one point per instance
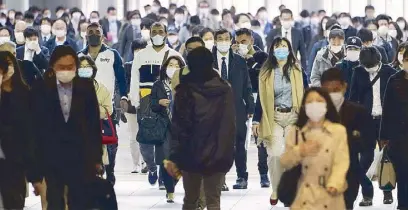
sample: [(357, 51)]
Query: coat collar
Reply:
[(86, 50)]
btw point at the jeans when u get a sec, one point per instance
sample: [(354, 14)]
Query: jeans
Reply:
[(148, 154), (366, 159), (169, 182), (112, 150), (212, 188)]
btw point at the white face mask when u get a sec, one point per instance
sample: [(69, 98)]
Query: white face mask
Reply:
[(209, 44), (85, 72), (76, 16), (337, 98), (94, 20), (400, 58), (393, 33), (223, 47), (335, 49), (344, 22), (59, 33), (246, 25), (3, 22), (401, 24), (20, 37), (145, 34), (136, 22), (31, 45), (179, 18), (158, 40), (4, 39), (45, 29), (372, 69), (65, 76), (383, 31), (172, 39), (353, 55), (316, 111), (243, 49), (170, 71), (286, 24)]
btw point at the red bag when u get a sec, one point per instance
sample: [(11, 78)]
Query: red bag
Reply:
[(108, 131)]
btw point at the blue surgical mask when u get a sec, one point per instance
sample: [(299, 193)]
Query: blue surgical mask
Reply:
[(85, 72), (281, 53)]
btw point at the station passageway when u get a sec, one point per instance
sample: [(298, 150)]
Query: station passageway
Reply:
[(135, 193)]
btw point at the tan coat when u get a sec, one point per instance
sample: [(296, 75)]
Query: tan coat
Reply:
[(267, 96), (105, 103), (328, 167)]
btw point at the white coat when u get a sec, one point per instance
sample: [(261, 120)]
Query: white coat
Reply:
[(327, 169)]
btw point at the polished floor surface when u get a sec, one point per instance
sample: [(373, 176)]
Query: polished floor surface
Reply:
[(135, 193)]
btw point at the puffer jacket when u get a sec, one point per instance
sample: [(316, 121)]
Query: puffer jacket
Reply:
[(203, 127)]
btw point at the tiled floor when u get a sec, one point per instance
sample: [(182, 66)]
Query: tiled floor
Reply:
[(134, 192)]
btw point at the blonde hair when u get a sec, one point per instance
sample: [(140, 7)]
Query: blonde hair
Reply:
[(9, 47)]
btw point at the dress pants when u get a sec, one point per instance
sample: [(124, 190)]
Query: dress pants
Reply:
[(134, 145), (212, 188), (401, 172), (12, 185), (276, 148), (241, 157), (57, 180), (350, 195)]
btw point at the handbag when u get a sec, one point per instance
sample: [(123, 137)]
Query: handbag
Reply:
[(152, 126), (387, 178), (108, 130), (288, 184), (101, 194)]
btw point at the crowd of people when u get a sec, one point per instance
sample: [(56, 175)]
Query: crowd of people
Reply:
[(319, 94)]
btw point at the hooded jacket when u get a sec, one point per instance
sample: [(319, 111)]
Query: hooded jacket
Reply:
[(203, 127)]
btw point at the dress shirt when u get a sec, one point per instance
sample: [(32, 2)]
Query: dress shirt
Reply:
[(28, 54), (287, 34), (65, 96), (377, 108), (58, 43), (219, 58), (113, 29), (282, 90), (45, 38)]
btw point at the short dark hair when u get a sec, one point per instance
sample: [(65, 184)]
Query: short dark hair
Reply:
[(261, 9), (146, 22), (94, 25), (147, 5), (321, 11), (332, 74), (159, 24), (30, 32), (243, 31), (304, 13), (206, 30), (157, 2), (383, 17), (369, 57), (28, 15), (138, 44), (369, 7), (287, 11), (46, 19), (75, 9), (163, 10), (61, 51), (96, 12), (225, 12), (214, 12), (195, 20), (59, 8), (18, 13), (237, 17), (111, 9), (255, 23), (222, 31), (356, 20), (368, 22), (194, 39), (282, 6), (196, 30), (179, 11), (345, 14), (7, 29), (365, 35)]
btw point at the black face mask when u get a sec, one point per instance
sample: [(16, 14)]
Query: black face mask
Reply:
[(94, 40)]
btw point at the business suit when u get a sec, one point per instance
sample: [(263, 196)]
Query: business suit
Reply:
[(362, 93), (130, 33), (40, 60), (51, 44), (68, 150), (29, 72), (239, 79), (298, 44), (358, 124), (394, 128), (106, 29)]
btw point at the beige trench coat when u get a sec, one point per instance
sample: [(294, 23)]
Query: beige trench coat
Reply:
[(327, 169)]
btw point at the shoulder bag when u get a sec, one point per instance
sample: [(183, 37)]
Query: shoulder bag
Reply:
[(108, 130)]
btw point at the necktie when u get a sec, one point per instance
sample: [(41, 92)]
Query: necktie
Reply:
[(45, 39), (224, 73), (286, 34)]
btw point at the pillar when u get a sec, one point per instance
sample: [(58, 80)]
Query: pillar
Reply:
[(312, 5), (21, 5)]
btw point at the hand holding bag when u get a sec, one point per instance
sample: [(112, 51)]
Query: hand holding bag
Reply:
[(387, 178), (108, 130), (288, 184)]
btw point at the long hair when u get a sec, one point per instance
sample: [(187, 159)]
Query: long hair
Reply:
[(16, 80), (332, 115), (162, 74), (272, 63), (402, 47), (91, 62)]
